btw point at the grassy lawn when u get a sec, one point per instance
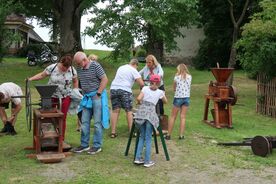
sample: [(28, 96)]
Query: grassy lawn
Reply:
[(195, 159)]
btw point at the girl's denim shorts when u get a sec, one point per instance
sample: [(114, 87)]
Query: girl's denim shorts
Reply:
[(178, 102)]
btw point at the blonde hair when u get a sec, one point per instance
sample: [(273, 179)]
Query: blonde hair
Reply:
[(153, 58), (182, 70), (93, 57)]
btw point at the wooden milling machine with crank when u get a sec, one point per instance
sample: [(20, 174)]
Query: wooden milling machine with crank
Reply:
[(47, 128), (224, 96)]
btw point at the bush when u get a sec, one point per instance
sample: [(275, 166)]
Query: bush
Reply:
[(37, 48), (141, 53), (257, 47), (211, 53)]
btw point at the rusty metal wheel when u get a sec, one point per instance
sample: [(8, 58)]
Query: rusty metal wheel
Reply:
[(260, 146)]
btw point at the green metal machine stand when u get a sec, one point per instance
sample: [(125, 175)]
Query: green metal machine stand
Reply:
[(155, 141)]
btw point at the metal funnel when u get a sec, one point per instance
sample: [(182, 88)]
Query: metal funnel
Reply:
[(46, 92), (222, 74)]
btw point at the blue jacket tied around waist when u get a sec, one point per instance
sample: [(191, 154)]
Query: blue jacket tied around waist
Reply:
[(86, 102)]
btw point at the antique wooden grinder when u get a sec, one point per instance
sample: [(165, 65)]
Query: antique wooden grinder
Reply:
[(47, 127), (223, 97)]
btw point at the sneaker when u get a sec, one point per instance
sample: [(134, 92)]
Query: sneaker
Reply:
[(4, 129), (80, 149), (11, 130), (138, 161), (167, 137), (181, 137), (94, 150), (149, 164)]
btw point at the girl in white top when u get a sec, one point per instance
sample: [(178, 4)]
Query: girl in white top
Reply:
[(182, 88), (146, 118)]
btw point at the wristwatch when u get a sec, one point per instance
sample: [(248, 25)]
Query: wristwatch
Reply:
[(99, 94)]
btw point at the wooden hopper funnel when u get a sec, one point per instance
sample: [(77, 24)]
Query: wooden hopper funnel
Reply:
[(222, 74)]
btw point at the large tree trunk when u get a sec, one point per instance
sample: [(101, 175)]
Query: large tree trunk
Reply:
[(55, 31), (233, 53), (68, 15), (236, 27), (154, 45)]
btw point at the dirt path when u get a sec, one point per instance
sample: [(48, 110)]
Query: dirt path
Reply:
[(213, 171), (177, 170)]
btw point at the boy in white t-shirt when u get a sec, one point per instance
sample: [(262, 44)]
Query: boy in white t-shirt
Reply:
[(146, 118)]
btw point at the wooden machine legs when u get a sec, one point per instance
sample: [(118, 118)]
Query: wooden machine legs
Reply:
[(222, 113)]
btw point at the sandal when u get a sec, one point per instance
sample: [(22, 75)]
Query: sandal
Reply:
[(113, 135), (167, 137)]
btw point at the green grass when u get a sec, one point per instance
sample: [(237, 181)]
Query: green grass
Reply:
[(197, 152), (100, 53)]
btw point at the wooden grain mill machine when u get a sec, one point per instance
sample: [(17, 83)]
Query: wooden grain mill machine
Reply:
[(47, 128), (223, 97)]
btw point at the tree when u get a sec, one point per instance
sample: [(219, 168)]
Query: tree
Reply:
[(236, 28), (64, 16), (218, 29), (154, 23), (257, 46), (43, 12)]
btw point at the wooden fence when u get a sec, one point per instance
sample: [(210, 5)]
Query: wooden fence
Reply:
[(266, 96)]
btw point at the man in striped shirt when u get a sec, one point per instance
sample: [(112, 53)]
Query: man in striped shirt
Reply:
[(93, 82)]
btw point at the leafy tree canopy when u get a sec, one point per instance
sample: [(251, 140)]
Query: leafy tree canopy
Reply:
[(121, 22), (63, 17), (257, 47)]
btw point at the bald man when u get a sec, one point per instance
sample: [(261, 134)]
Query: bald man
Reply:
[(93, 82)]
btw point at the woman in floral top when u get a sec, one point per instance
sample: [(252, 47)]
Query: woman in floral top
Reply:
[(64, 75)]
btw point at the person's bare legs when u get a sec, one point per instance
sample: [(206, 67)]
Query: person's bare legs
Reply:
[(172, 119), (182, 119), (3, 115), (114, 120), (129, 117), (13, 120)]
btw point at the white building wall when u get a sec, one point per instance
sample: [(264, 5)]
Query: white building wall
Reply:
[(188, 46)]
